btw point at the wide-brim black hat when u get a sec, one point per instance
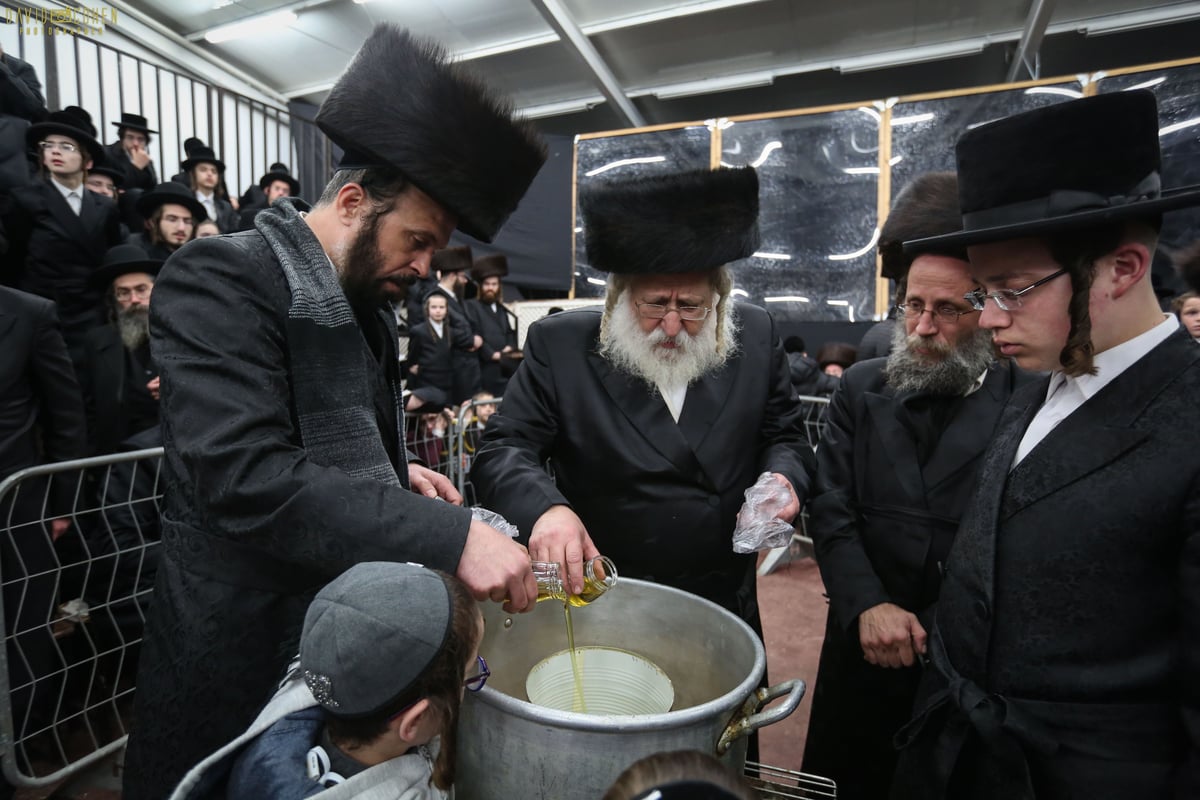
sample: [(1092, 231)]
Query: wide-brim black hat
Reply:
[(493, 266), (73, 126), (122, 260), (171, 192), (402, 103), (451, 259), (278, 172), (1064, 167), (134, 122), (115, 175), (680, 222), (201, 155)]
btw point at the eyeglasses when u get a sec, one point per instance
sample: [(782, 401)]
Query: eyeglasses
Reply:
[(945, 312), (658, 311), (62, 147), (141, 290), (1007, 299), (476, 682)]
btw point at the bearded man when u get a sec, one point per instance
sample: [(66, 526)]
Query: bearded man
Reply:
[(282, 428), (657, 414), (897, 463), (489, 318)]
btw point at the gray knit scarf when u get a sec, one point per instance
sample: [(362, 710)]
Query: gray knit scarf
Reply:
[(329, 357)]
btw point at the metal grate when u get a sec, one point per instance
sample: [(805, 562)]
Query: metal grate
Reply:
[(776, 783)]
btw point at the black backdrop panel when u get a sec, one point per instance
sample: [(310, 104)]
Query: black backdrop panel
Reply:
[(537, 237)]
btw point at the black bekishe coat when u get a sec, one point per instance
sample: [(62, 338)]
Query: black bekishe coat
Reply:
[(251, 527), (882, 522), (658, 498)]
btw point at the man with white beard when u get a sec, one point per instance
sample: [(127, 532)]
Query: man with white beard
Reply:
[(902, 447), (658, 413), (120, 381)]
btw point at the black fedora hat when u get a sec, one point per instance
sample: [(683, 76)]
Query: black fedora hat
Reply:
[(280, 172), (201, 154), (122, 260), (672, 223), (171, 192), (115, 175), (134, 122), (1064, 167), (72, 122)]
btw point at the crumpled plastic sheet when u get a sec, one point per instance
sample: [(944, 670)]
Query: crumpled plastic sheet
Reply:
[(498, 522), (757, 526)]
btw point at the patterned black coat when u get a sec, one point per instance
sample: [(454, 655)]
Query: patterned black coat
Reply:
[(251, 527), (1067, 641)]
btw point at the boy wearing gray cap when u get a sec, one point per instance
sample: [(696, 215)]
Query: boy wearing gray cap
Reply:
[(370, 708)]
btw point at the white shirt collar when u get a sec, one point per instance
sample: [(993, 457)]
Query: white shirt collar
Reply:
[(66, 191), (1115, 360)]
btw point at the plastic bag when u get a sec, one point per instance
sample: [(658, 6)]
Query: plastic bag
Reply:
[(757, 526), (498, 522)]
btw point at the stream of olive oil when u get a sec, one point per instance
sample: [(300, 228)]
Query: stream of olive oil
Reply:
[(578, 706)]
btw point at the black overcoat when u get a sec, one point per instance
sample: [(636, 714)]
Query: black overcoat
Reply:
[(102, 379), (144, 179), (60, 250), (497, 332), (882, 522), (657, 497), (467, 380), (251, 527), (1068, 628), (432, 355)]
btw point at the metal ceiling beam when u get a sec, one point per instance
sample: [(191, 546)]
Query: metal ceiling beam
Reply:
[(558, 19), (1031, 40)]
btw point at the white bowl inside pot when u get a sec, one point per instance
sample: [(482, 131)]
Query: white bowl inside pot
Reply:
[(612, 682)]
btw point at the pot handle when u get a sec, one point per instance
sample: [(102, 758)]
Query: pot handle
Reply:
[(749, 718)]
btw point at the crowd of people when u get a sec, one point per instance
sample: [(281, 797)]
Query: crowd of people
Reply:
[(1005, 506)]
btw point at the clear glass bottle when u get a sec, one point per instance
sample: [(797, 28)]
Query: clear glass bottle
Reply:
[(599, 575)]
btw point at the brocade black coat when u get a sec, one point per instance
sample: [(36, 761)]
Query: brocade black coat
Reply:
[(657, 497), (882, 523), (251, 527), (1068, 626)]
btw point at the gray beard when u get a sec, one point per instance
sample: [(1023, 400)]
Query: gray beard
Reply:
[(951, 376), (134, 325), (628, 348)]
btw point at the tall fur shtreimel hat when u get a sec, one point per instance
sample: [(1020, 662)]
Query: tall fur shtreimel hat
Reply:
[(493, 266), (680, 222), (402, 103), (1064, 167), (926, 206), (451, 259)]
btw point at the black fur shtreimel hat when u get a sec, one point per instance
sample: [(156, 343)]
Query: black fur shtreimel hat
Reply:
[(1063, 167), (493, 266), (403, 104), (681, 222), (451, 259)]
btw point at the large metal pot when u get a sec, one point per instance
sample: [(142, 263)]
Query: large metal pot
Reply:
[(509, 748)]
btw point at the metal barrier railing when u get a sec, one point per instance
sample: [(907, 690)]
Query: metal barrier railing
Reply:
[(813, 410), (467, 432), (78, 549)]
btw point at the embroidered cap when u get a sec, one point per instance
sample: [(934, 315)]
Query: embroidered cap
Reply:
[(371, 633)]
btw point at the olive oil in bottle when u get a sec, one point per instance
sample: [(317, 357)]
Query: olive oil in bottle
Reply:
[(599, 575)]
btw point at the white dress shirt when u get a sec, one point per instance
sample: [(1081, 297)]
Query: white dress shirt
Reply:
[(673, 397), (1066, 394), (74, 197), (209, 204)]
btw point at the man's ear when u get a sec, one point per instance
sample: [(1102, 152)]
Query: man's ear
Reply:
[(413, 721), (350, 202), (1130, 263)]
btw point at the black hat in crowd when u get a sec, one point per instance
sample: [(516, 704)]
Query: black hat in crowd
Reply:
[(451, 259), (926, 206), (1187, 261), (201, 154), (134, 122), (679, 222), (72, 122), (1059, 168), (493, 266), (370, 634), (439, 125), (117, 176), (843, 354), (122, 260), (171, 192), (279, 172), (190, 145)]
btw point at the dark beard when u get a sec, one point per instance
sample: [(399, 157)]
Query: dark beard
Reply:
[(950, 376), (134, 326), (363, 262), (487, 298)]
